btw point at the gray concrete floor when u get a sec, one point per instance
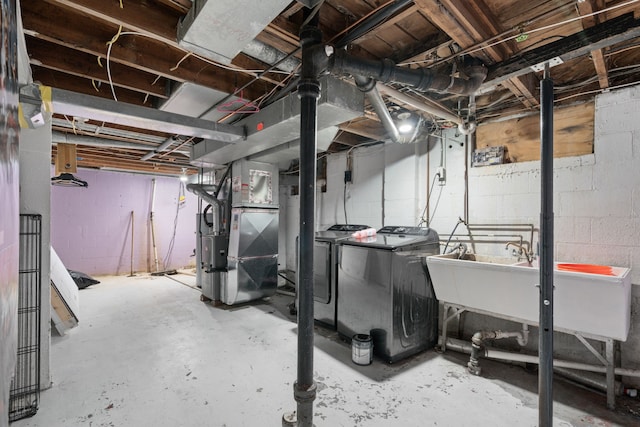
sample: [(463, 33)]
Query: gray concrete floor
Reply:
[(148, 352)]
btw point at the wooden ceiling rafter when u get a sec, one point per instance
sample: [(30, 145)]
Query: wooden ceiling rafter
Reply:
[(112, 159), (62, 80), (588, 7), (181, 6), (138, 55), (471, 22), (425, 33), (85, 65), (366, 127), (155, 25)]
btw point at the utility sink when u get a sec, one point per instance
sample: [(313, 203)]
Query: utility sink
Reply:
[(589, 303), (482, 258)]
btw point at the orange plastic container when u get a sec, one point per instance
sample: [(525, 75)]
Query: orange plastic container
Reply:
[(586, 268)]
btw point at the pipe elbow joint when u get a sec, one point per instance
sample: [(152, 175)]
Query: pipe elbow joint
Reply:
[(467, 128), (476, 72), (365, 84), (477, 338)]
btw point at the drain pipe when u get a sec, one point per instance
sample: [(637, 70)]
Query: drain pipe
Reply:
[(464, 347), (304, 388), (386, 71), (477, 344), (593, 382), (545, 374), (368, 86)]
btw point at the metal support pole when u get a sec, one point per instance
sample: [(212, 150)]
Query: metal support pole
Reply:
[(545, 373), (304, 389), (610, 376)]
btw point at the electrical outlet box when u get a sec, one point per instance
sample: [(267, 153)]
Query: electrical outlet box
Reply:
[(347, 176), (442, 175)]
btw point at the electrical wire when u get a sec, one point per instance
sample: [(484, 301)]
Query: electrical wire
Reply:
[(597, 91), (427, 220), (520, 30), (344, 202), (557, 24), (258, 74)]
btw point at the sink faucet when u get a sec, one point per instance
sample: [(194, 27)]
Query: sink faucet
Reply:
[(521, 250)]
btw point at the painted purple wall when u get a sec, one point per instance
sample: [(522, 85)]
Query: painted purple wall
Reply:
[(91, 227), (9, 206)]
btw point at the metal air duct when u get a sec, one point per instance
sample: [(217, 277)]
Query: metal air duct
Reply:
[(220, 29), (106, 110), (93, 141), (277, 126)]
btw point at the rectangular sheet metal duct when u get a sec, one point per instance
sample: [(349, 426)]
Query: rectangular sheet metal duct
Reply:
[(280, 126), (291, 150), (106, 110), (220, 29)]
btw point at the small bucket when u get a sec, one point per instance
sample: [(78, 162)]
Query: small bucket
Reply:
[(361, 349)]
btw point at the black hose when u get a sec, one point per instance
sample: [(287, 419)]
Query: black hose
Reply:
[(460, 221), (204, 216), (287, 279)]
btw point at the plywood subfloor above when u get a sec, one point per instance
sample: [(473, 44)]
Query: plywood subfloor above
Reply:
[(572, 136)]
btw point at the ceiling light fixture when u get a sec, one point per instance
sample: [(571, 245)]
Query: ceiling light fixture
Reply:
[(406, 121), (183, 176)]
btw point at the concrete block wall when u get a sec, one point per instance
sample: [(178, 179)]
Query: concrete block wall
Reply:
[(363, 194), (596, 199)]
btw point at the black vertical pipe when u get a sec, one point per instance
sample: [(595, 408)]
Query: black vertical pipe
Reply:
[(545, 374), (309, 92)]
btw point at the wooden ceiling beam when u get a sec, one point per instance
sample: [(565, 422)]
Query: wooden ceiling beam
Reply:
[(470, 22), (365, 127), (85, 65), (390, 22), (285, 29), (111, 160), (524, 88), (349, 139), (293, 9), (61, 80), (597, 56), (140, 17), (118, 157), (181, 6), (40, 22)]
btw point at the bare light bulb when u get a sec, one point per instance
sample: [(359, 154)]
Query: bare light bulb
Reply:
[(405, 128)]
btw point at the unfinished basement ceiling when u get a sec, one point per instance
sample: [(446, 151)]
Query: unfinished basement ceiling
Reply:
[(150, 60)]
